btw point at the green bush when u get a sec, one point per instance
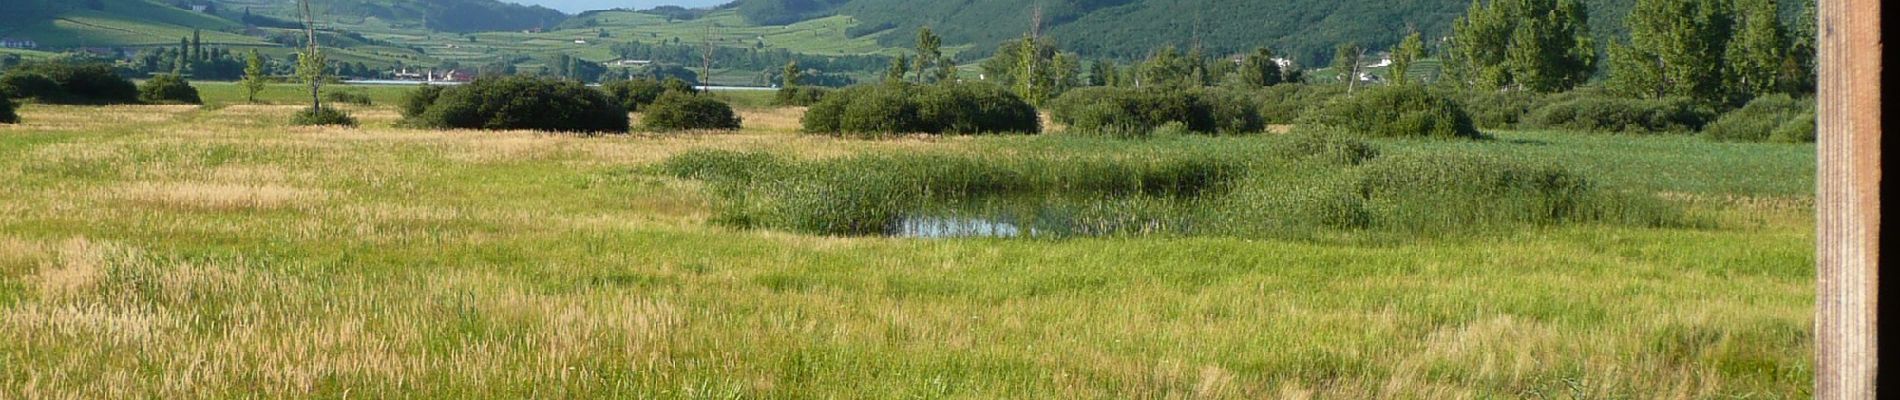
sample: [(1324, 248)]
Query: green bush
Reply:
[(29, 86), (522, 102), (635, 94), (1283, 104), (1394, 111), (322, 116), (956, 108), (86, 84), (349, 97), (676, 111), (7, 115), (1801, 129), (1325, 145), (1113, 111), (1497, 109), (418, 101), (1773, 118), (1597, 113), (168, 89), (800, 96)]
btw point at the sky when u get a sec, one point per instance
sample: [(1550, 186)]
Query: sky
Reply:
[(577, 6)]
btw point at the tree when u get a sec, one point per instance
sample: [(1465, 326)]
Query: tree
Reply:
[(1166, 68), (791, 74), (899, 66), (310, 62), (1346, 61), (1101, 73), (1034, 82), (1409, 52), (1259, 69), (197, 45), (1068, 73), (929, 52), (1534, 45), (1756, 54), (254, 79), (1797, 70), (1676, 48)]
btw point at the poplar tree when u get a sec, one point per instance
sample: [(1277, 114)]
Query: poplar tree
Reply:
[(1409, 52), (790, 80), (1676, 48), (929, 52), (1758, 50), (1534, 45), (254, 79)]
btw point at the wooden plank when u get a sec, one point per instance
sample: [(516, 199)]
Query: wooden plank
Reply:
[(1848, 203)]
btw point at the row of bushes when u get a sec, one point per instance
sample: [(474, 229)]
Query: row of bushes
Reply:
[(532, 103), (635, 94), (962, 108), (92, 84), (1125, 112), (1774, 118), (64, 83)]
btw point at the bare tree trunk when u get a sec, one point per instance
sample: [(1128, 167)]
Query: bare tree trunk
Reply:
[(316, 81)]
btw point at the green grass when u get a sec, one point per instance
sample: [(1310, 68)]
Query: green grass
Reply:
[(130, 23), (137, 242)]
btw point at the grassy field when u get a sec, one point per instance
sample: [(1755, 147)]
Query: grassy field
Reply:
[(171, 251)]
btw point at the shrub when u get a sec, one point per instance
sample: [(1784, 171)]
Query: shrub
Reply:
[(1801, 129), (1325, 145), (800, 96), (1394, 111), (1774, 118), (92, 84), (974, 108), (637, 93), (7, 115), (676, 111), (1593, 113), (349, 97), (1283, 104), (322, 116), (29, 86), (1133, 112), (168, 89), (418, 101), (960, 108), (1497, 109), (521, 102)]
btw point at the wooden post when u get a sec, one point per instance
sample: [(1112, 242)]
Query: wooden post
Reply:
[(1848, 204)]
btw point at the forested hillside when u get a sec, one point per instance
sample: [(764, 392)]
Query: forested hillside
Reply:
[(1130, 29)]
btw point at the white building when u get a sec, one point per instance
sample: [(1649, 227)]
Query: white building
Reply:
[(13, 43)]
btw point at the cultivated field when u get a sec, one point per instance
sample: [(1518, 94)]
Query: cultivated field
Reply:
[(183, 251)]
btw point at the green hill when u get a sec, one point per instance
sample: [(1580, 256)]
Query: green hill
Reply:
[(458, 16), (117, 23), (1308, 30)]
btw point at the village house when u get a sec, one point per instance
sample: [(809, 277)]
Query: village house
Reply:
[(12, 43)]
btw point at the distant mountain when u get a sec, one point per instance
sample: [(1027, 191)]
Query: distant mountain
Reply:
[(580, 6), (1309, 30)]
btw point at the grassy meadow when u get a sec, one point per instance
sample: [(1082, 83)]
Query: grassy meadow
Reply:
[(214, 251)]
